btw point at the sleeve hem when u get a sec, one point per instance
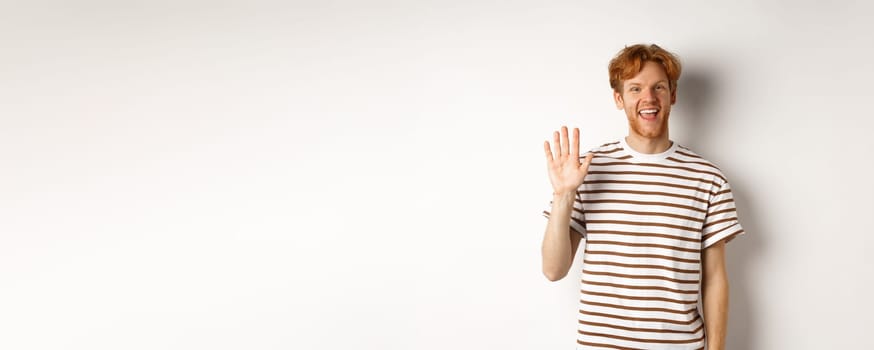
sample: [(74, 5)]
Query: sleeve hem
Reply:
[(727, 234), (576, 226)]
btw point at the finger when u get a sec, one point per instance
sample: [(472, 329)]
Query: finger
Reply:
[(548, 152), (557, 144), (575, 145), (564, 142)]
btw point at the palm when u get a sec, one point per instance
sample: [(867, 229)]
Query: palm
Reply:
[(566, 173)]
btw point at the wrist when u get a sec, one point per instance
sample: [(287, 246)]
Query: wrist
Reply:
[(568, 195), (564, 193)]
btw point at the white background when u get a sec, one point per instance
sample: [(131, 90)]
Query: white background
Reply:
[(370, 174)]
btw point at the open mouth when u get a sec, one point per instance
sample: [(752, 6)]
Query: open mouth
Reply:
[(648, 114)]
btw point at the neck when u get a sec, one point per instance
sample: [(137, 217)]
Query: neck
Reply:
[(648, 145)]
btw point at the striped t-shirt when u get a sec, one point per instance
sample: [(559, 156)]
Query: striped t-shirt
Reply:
[(645, 220)]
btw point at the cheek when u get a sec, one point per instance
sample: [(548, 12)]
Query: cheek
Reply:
[(666, 97)]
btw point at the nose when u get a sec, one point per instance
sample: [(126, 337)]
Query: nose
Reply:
[(648, 94)]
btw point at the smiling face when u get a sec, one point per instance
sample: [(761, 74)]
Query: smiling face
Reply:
[(647, 98)]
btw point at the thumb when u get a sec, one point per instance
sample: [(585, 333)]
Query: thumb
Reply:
[(585, 165)]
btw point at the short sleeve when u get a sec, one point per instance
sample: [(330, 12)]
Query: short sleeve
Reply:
[(578, 222), (721, 221)]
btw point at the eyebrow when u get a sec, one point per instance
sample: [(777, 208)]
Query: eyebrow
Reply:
[(657, 82)]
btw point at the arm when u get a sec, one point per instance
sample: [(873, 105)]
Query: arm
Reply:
[(560, 242), (566, 174), (715, 291)]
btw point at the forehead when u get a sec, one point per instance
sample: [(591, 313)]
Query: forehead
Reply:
[(651, 73)]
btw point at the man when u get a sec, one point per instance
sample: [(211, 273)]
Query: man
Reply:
[(654, 217)]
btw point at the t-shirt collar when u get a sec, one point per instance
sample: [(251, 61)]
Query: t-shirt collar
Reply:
[(647, 157)]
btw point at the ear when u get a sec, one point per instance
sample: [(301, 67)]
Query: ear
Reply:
[(674, 96), (617, 97)]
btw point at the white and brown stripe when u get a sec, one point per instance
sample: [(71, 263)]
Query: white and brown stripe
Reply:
[(646, 219)]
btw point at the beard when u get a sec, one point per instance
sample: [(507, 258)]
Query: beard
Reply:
[(649, 130)]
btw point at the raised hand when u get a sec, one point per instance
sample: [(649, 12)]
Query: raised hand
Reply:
[(565, 171)]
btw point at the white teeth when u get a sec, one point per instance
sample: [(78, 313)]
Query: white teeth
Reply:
[(649, 111)]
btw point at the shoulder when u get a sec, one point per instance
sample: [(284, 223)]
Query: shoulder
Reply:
[(686, 157), (606, 150)]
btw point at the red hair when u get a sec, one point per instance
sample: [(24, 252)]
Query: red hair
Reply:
[(631, 59)]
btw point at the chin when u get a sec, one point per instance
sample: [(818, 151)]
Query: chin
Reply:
[(651, 135), (649, 131)]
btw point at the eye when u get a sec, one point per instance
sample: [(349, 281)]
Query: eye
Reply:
[(634, 89)]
